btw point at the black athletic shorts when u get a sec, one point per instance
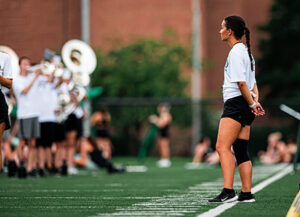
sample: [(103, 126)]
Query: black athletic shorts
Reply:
[(71, 123), (59, 132), (102, 133), (74, 123), (4, 111), (79, 128), (47, 135), (238, 109)]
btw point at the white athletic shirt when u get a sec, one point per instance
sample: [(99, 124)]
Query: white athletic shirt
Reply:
[(27, 103), (238, 68), (47, 101), (62, 90), (78, 112), (5, 67)]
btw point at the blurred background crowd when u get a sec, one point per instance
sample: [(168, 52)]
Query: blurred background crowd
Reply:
[(141, 92)]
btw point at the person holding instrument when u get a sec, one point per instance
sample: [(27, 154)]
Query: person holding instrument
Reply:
[(5, 81), (25, 87), (240, 95)]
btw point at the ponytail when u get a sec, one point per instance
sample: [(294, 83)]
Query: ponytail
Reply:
[(247, 34)]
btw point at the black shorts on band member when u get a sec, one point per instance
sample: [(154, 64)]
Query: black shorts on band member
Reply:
[(59, 132), (4, 112), (47, 135), (238, 109)]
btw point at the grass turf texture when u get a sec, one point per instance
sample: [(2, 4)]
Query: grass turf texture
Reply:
[(94, 191)]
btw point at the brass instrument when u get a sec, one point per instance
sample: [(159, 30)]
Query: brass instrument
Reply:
[(14, 60), (81, 60)]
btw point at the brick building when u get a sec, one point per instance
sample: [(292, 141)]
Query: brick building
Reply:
[(30, 26)]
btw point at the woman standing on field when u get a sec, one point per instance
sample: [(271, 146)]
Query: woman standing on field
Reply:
[(241, 105)]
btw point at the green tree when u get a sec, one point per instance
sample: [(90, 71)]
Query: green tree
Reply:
[(279, 65), (145, 68), (142, 69)]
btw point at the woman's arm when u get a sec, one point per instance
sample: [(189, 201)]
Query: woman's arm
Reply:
[(245, 92), (26, 89), (254, 105), (6, 82), (163, 120), (255, 91)]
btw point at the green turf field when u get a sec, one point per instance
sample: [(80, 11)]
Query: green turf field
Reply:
[(174, 191)]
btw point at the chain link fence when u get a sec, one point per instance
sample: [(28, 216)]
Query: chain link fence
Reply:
[(130, 123)]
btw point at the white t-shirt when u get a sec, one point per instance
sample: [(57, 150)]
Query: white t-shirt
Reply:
[(5, 67), (47, 101), (238, 68), (61, 91), (27, 103), (78, 112)]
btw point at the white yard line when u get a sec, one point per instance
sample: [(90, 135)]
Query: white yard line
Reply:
[(179, 203), (220, 209)]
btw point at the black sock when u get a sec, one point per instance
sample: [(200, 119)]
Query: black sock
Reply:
[(246, 193), (228, 191)]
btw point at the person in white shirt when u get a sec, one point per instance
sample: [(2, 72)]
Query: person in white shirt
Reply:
[(240, 94), (47, 105), (59, 129), (25, 88), (5, 81), (73, 127)]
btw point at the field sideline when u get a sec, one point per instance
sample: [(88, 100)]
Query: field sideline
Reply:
[(174, 191)]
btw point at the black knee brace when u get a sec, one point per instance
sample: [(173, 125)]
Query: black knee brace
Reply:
[(241, 151)]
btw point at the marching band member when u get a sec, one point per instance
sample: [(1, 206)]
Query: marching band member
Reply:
[(72, 127), (47, 99), (59, 128), (101, 120), (25, 88), (5, 81)]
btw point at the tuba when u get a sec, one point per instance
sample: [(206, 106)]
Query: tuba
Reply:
[(14, 60), (81, 61)]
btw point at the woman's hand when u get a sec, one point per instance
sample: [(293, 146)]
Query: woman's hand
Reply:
[(258, 110), (153, 119)]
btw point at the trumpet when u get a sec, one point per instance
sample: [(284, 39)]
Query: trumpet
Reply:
[(46, 67)]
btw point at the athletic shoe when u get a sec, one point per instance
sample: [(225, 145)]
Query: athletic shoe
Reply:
[(32, 173), (22, 173), (41, 173), (164, 163), (53, 171), (64, 168), (12, 168), (246, 197), (113, 169), (72, 171), (224, 197)]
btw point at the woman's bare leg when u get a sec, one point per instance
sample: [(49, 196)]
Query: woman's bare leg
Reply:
[(2, 128), (70, 147), (164, 148), (229, 130)]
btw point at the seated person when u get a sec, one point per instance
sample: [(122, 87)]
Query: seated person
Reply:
[(204, 153), (90, 152), (10, 146), (268, 157), (292, 147), (286, 152)]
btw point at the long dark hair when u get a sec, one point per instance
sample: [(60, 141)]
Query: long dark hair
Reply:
[(238, 26)]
